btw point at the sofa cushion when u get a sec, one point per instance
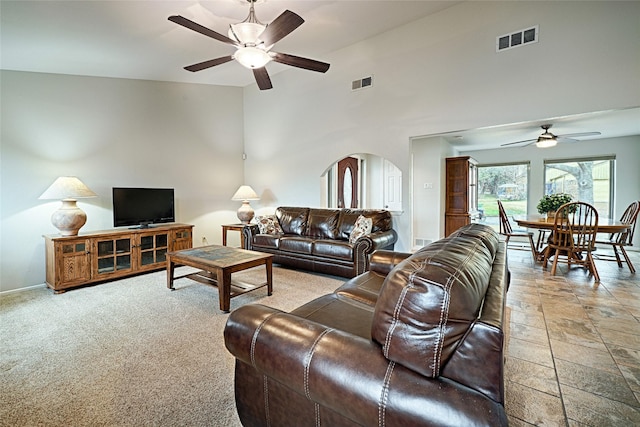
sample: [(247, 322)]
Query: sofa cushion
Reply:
[(268, 224), (293, 220), (481, 233), (338, 312), (364, 288), (322, 223), (266, 241), (362, 227), (348, 217), (338, 249), (430, 300), (296, 244)]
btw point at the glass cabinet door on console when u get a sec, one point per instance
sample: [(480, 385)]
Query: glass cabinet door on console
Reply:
[(112, 256), (153, 248)]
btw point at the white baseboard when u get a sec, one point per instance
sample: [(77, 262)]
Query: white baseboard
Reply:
[(11, 291)]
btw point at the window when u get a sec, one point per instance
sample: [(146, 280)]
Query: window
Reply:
[(586, 180), (508, 183)]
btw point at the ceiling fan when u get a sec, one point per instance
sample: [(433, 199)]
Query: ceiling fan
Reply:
[(254, 41), (547, 139)]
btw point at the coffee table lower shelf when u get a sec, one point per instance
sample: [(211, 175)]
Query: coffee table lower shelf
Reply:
[(237, 287), (217, 264)]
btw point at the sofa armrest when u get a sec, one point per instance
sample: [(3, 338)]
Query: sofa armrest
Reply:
[(368, 243), (382, 261), (248, 232), (348, 374)]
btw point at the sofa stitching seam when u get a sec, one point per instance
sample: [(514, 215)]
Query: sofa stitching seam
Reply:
[(384, 396), (266, 399), (444, 312), (307, 361), (396, 310), (255, 338)]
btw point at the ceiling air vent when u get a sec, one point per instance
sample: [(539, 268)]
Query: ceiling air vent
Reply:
[(362, 83), (517, 38)]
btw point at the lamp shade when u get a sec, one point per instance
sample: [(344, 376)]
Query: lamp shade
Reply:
[(245, 192), (67, 187)]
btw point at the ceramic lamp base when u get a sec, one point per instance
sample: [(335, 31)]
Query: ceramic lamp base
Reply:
[(69, 218), (245, 212)]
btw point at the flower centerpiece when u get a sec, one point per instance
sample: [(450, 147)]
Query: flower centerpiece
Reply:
[(550, 203)]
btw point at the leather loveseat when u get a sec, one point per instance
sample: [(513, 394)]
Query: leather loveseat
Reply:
[(415, 341), (318, 239)]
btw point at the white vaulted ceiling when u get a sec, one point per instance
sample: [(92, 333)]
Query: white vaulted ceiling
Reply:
[(134, 39)]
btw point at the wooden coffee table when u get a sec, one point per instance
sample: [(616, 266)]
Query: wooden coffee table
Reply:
[(217, 264)]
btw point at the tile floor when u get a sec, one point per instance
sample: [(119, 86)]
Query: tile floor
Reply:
[(573, 355)]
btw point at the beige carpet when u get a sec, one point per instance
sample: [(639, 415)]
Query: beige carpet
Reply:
[(130, 352)]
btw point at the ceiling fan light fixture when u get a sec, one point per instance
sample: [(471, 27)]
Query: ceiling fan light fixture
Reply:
[(546, 142), (252, 57), (253, 41), (246, 33)]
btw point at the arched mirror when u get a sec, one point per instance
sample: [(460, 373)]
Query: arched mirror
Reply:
[(362, 180)]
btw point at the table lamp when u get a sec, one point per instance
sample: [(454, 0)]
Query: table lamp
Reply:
[(245, 212), (69, 218)]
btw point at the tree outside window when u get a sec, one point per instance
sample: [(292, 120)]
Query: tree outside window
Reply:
[(586, 180), (505, 182)]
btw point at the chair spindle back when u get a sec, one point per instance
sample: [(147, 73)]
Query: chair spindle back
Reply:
[(505, 225), (576, 226)]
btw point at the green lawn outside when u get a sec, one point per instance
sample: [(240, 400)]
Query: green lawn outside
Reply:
[(490, 206)]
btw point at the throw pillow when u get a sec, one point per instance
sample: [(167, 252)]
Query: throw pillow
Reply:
[(362, 227), (268, 224)]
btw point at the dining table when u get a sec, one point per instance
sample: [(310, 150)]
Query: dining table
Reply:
[(605, 226)]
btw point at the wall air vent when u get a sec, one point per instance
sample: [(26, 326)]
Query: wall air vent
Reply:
[(422, 242), (362, 83), (517, 38)]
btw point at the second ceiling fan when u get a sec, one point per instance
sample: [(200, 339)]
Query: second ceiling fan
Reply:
[(547, 139), (254, 41)]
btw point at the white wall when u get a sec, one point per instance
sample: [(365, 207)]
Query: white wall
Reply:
[(429, 170), (437, 75), (112, 132)]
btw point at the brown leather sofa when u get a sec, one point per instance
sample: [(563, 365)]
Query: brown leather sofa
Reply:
[(415, 341), (318, 239)]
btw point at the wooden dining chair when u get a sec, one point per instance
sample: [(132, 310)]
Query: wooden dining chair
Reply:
[(619, 240), (508, 231), (543, 236), (573, 237)]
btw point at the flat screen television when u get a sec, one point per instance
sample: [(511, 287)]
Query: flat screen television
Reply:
[(140, 207)]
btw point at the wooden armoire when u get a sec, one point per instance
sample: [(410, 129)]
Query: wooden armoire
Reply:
[(461, 183)]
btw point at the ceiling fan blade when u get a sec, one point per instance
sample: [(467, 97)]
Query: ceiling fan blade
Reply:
[(280, 27), (208, 64), (565, 139), (297, 61), (519, 142), (262, 78), (187, 23), (573, 135)]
